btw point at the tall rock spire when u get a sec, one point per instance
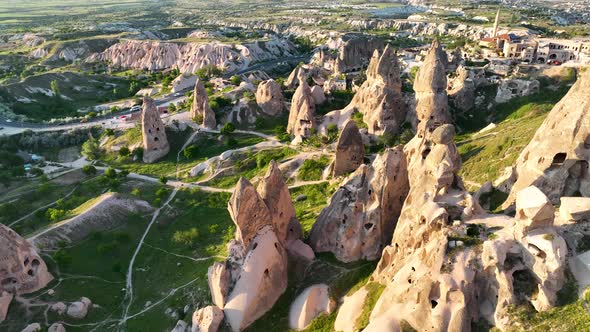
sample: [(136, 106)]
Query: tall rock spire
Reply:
[(302, 113), (201, 109), (155, 143), (431, 94), (380, 97)]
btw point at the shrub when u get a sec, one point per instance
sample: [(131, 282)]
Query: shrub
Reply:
[(91, 149), (62, 258), (187, 237), (55, 215), (36, 171), (89, 170), (110, 173), (136, 192), (163, 179), (235, 80), (228, 128), (190, 152), (124, 151)]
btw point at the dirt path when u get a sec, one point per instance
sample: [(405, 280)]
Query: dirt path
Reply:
[(129, 279)]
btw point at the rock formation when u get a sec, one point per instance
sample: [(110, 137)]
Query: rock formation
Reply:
[(350, 150), (354, 52), (22, 270), (461, 90), (188, 57), (269, 97), (200, 108), (362, 214), (79, 309), (512, 88), (253, 277), (155, 143), (312, 302), (557, 158), (430, 87), (207, 319), (379, 98), (302, 113), (318, 95)]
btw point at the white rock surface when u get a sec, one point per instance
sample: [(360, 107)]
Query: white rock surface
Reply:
[(312, 302)]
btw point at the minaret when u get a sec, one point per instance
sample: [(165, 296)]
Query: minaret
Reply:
[(496, 22)]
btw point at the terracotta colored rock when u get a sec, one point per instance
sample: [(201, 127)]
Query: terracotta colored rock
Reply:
[(22, 271), (248, 211), (362, 214), (302, 113), (155, 143), (274, 192), (379, 98), (557, 158), (56, 327), (431, 95), (269, 97), (534, 208), (207, 319), (218, 278), (318, 95), (350, 150), (262, 280), (200, 108)]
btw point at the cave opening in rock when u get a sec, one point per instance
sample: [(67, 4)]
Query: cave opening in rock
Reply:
[(525, 285), (558, 159)]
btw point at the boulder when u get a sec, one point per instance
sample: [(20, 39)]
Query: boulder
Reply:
[(180, 326), (298, 248), (22, 271), (34, 327), (318, 95), (56, 327), (350, 150), (534, 208), (219, 279), (362, 214), (200, 108), (269, 97), (155, 143), (312, 302), (574, 209), (207, 319), (261, 281), (59, 308), (79, 309), (557, 158)]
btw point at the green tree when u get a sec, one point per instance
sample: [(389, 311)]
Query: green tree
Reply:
[(124, 151), (187, 237), (91, 149), (163, 179), (89, 170), (171, 108), (54, 85), (190, 151), (110, 173), (228, 128), (235, 80)]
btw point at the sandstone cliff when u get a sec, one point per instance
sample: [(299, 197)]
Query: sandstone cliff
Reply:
[(188, 57), (556, 160), (350, 150), (363, 212)]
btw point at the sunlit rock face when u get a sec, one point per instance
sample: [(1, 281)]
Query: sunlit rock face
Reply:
[(155, 142), (22, 270)]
